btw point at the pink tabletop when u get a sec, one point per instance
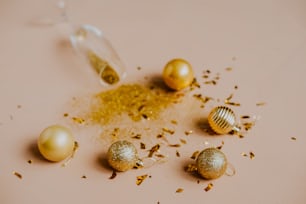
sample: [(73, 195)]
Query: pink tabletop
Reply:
[(258, 46)]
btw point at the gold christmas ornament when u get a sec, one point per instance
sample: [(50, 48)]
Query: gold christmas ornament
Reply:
[(178, 74), (211, 163), (122, 156), (222, 120), (56, 143)]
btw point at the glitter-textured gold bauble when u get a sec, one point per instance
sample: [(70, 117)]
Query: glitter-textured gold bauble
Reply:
[(122, 156), (178, 74), (222, 120), (211, 163), (56, 143)]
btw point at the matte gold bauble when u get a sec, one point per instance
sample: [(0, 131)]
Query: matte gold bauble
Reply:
[(122, 156), (211, 163), (56, 143), (178, 74), (222, 120)]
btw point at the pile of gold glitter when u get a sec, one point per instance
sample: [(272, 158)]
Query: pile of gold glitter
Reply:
[(136, 101)]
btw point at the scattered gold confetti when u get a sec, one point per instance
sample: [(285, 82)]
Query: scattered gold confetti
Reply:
[(154, 149), (260, 104), (18, 175), (134, 100), (138, 68), (178, 154), (142, 146), (183, 141), (168, 131), (160, 155), (248, 125), (138, 136), (252, 155), (174, 145), (195, 155), (78, 120), (228, 68), (179, 190), (244, 154), (140, 179), (114, 174), (30, 161), (220, 146), (19, 106), (174, 122), (293, 138), (245, 117), (66, 115), (188, 132), (209, 187), (84, 177), (191, 168)]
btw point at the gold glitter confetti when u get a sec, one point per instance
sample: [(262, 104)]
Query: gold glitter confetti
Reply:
[(179, 190), (154, 149), (84, 177), (18, 175), (30, 161), (209, 187), (228, 68), (183, 141), (166, 130), (174, 122), (252, 155), (114, 174), (78, 120), (245, 117), (188, 132), (195, 155), (178, 154), (140, 179), (65, 115), (174, 145), (142, 146), (138, 136), (220, 146), (134, 100), (244, 154), (191, 168), (293, 138), (260, 104)]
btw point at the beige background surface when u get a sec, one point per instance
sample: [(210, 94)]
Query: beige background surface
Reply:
[(263, 41)]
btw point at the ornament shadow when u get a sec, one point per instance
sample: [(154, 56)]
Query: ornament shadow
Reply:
[(201, 124), (33, 151), (101, 163)]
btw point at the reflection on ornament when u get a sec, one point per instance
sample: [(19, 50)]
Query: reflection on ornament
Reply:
[(178, 74), (222, 120), (211, 163), (122, 156)]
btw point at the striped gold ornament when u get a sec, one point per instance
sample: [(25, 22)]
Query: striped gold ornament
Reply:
[(222, 120)]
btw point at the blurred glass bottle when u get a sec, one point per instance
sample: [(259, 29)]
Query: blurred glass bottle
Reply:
[(90, 43)]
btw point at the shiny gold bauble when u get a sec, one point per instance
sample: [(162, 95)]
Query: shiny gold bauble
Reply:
[(222, 120), (211, 163), (122, 156), (56, 143), (178, 74)]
